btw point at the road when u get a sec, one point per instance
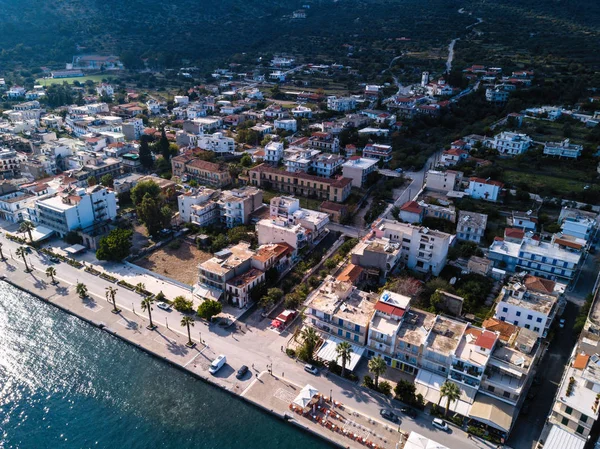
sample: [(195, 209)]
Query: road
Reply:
[(250, 342)]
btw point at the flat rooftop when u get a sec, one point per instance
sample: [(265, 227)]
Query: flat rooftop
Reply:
[(384, 325), (415, 327), (228, 259), (445, 335), (537, 302)]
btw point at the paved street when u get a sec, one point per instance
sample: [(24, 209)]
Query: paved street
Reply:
[(243, 344)]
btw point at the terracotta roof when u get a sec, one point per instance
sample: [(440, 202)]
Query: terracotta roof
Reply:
[(330, 205), (568, 243), (455, 152), (540, 285), (412, 206), (486, 340), (506, 330), (581, 361), (350, 274), (205, 165), (486, 181), (514, 233), (389, 309)]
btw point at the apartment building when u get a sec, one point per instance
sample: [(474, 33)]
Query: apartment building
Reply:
[(543, 259), (298, 159), (240, 287), (511, 143), (273, 152), (13, 206), (326, 165), (204, 172), (562, 149), (378, 151), (423, 249), (341, 310), (471, 226), (377, 256), (9, 163), (324, 141), (385, 325), (578, 223), (286, 124), (358, 169), (301, 184), (443, 181), (341, 104), (216, 142)]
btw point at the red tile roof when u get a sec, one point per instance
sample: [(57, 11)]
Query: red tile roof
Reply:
[(505, 329), (412, 206), (514, 233), (486, 340), (540, 285), (350, 274), (486, 181), (389, 309), (581, 361)]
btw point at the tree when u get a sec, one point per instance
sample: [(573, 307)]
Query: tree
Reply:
[(147, 305), (310, 338), (209, 308), (82, 290), (405, 391), (22, 252), (141, 189), (51, 272), (164, 146), (145, 154), (182, 304), (188, 321), (115, 246), (107, 180), (111, 293), (377, 366), (153, 214), (246, 160), (92, 181), (451, 392), (272, 297), (343, 351), (140, 287), (27, 227)]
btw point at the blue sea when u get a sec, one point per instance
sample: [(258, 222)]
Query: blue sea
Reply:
[(67, 385)]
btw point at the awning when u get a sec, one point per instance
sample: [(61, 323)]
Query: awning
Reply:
[(328, 353), (74, 249), (305, 396), (493, 412), (428, 384), (40, 233), (559, 438), (418, 441), (207, 292)]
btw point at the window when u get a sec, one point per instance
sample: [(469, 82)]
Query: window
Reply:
[(565, 421), (536, 329), (357, 327), (583, 418), (518, 313), (506, 394), (502, 318), (491, 388), (348, 335), (505, 309), (340, 322), (530, 317), (516, 323), (527, 326), (356, 338), (538, 320), (568, 410), (340, 332), (579, 430)]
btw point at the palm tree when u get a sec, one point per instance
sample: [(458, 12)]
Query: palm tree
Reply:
[(51, 272), (1, 253), (27, 227), (139, 287), (81, 290), (343, 351), (147, 305), (378, 367), (111, 292), (22, 252), (451, 392), (310, 338), (188, 321)]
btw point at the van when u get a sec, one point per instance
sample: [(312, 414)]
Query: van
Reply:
[(217, 364)]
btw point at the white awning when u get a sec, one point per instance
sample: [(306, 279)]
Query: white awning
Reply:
[(428, 384), (40, 233), (327, 352), (74, 249), (559, 438), (305, 396), (493, 412), (418, 441), (207, 292)]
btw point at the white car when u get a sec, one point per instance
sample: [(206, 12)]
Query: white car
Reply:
[(561, 323), (217, 364), (163, 305), (440, 424), (311, 369)]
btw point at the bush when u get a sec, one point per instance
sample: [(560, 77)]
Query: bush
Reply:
[(290, 352), (183, 305), (368, 382), (160, 297), (385, 387)]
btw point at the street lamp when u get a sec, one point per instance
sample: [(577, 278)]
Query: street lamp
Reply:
[(200, 334), (330, 396)]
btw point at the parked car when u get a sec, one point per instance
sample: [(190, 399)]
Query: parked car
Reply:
[(217, 364), (241, 372), (389, 415), (410, 412), (311, 369), (163, 305), (440, 424), (54, 259)]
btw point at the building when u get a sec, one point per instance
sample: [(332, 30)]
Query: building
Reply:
[(341, 310), (273, 152), (453, 156), (358, 170), (324, 141), (511, 143), (337, 212), (443, 181), (77, 210), (237, 205), (422, 249), (377, 256), (524, 220), (471, 226), (240, 287), (411, 212), (543, 259), (216, 142), (436, 211), (9, 163), (485, 189), (299, 159), (132, 129), (204, 172), (578, 223), (275, 255), (326, 165), (341, 104), (289, 124), (301, 184), (385, 325), (496, 95), (13, 205), (563, 149), (378, 151)]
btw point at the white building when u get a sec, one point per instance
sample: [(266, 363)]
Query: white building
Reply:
[(290, 125), (484, 189), (471, 226), (181, 100), (496, 95), (443, 181), (105, 89), (77, 209), (153, 106), (423, 249), (563, 149), (359, 169), (216, 142), (326, 164), (511, 143), (578, 223), (302, 112), (341, 104), (273, 152)]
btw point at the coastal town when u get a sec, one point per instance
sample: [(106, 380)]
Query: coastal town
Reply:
[(278, 241)]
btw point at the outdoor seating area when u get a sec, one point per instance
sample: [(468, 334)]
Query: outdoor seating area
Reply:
[(321, 410)]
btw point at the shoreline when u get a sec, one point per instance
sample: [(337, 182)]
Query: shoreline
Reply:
[(101, 326)]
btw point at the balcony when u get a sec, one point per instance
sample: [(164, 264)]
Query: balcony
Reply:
[(467, 369)]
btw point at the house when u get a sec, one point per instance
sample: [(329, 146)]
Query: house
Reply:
[(302, 112), (578, 223), (105, 89), (443, 181), (290, 125), (341, 104), (302, 184), (273, 152), (524, 220), (496, 95), (10, 165), (479, 265), (511, 143), (485, 189), (324, 141), (437, 211), (471, 226), (96, 62), (299, 159), (206, 173), (15, 92), (326, 164), (377, 256), (239, 288), (453, 156), (341, 310), (359, 169), (351, 273), (411, 212), (385, 324), (337, 212), (278, 256), (562, 149), (216, 142), (378, 151), (132, 128)]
